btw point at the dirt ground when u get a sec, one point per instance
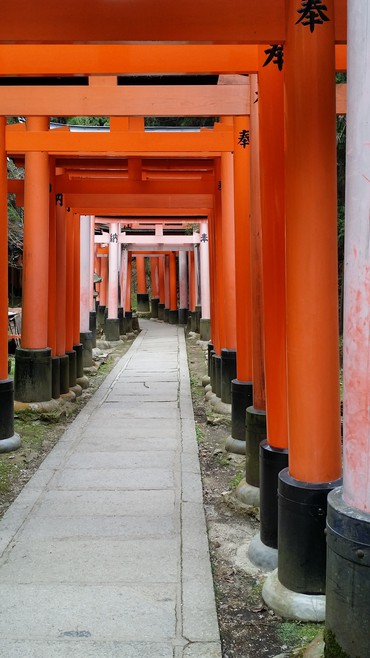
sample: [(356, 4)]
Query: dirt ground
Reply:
[(248, 629)]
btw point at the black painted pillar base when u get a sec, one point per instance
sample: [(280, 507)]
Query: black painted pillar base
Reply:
[(205, 329), (86, 342), (255, 423), (142, 302), (78, 348), (64, 374), (272, 461), (173, 317), (166, 315), (55, 377), (135, 323), (209, 362), (121, 321), (347, 631), (183, 316), (72, 369), (193, 321), (160, 311), (92, 327), (216, 388), (198, 313), (112, 329), (9, 441), (100, 318), (212, 370), (241, 399), (154, 307), (128, 318), (32, 378), (301, 534), (228, 373)]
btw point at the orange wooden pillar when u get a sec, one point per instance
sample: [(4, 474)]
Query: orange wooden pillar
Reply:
[(228, 347), (69, 298), (273, 451), (154, 286), (162, 299), (52, 296), (92, 309), (77, 344), (8, 439), (83, 243), (103, 288), (218, 332), (255, 419), (173, 317), (142, 294), (61, 287), (312, 306), (166, 288), (33, 359), (128, 312), (241, 386)]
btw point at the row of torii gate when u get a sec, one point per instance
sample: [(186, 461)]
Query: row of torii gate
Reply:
[(262, 185)]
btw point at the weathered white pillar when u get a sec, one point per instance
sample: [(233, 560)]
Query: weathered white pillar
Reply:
[(348, 521), (92, 262), (204, 271)]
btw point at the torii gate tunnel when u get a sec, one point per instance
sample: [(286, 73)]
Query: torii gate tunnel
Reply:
[(257, 275)]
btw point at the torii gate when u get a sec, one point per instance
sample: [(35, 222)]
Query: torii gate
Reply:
[(311, 340)]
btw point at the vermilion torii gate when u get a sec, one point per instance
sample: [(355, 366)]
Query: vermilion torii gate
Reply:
[(309, 413)]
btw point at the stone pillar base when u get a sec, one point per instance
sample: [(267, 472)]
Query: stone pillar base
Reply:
[(216, 381), (55, 377), (173, 317), (100, 318), (121, 323), (210, 351), (193, 322), (86, 342), (64, 374), (228, 373), (142, 301), (302, 541), (160, 311), (347, 631), (78, 348), (262, 556), (32, 379), (248, 494), (198, 313), (183, 316), (9, 441), (272, 461), (205, 329), (92, 327), (241, 399), (292, 605), (154, 307), (112, 329), (255, 421), (72, 357)]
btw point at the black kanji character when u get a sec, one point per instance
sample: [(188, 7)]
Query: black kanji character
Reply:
[(204, 237), (243, 138), (113, 237), (313, 13), (275, 54)]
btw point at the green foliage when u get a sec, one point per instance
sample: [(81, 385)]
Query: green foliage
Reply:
[(297, 633), (88, 121)]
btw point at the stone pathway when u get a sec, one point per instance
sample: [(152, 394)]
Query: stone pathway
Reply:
[(105, 551)]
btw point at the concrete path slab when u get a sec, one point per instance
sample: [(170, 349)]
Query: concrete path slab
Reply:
[(104, 553)]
